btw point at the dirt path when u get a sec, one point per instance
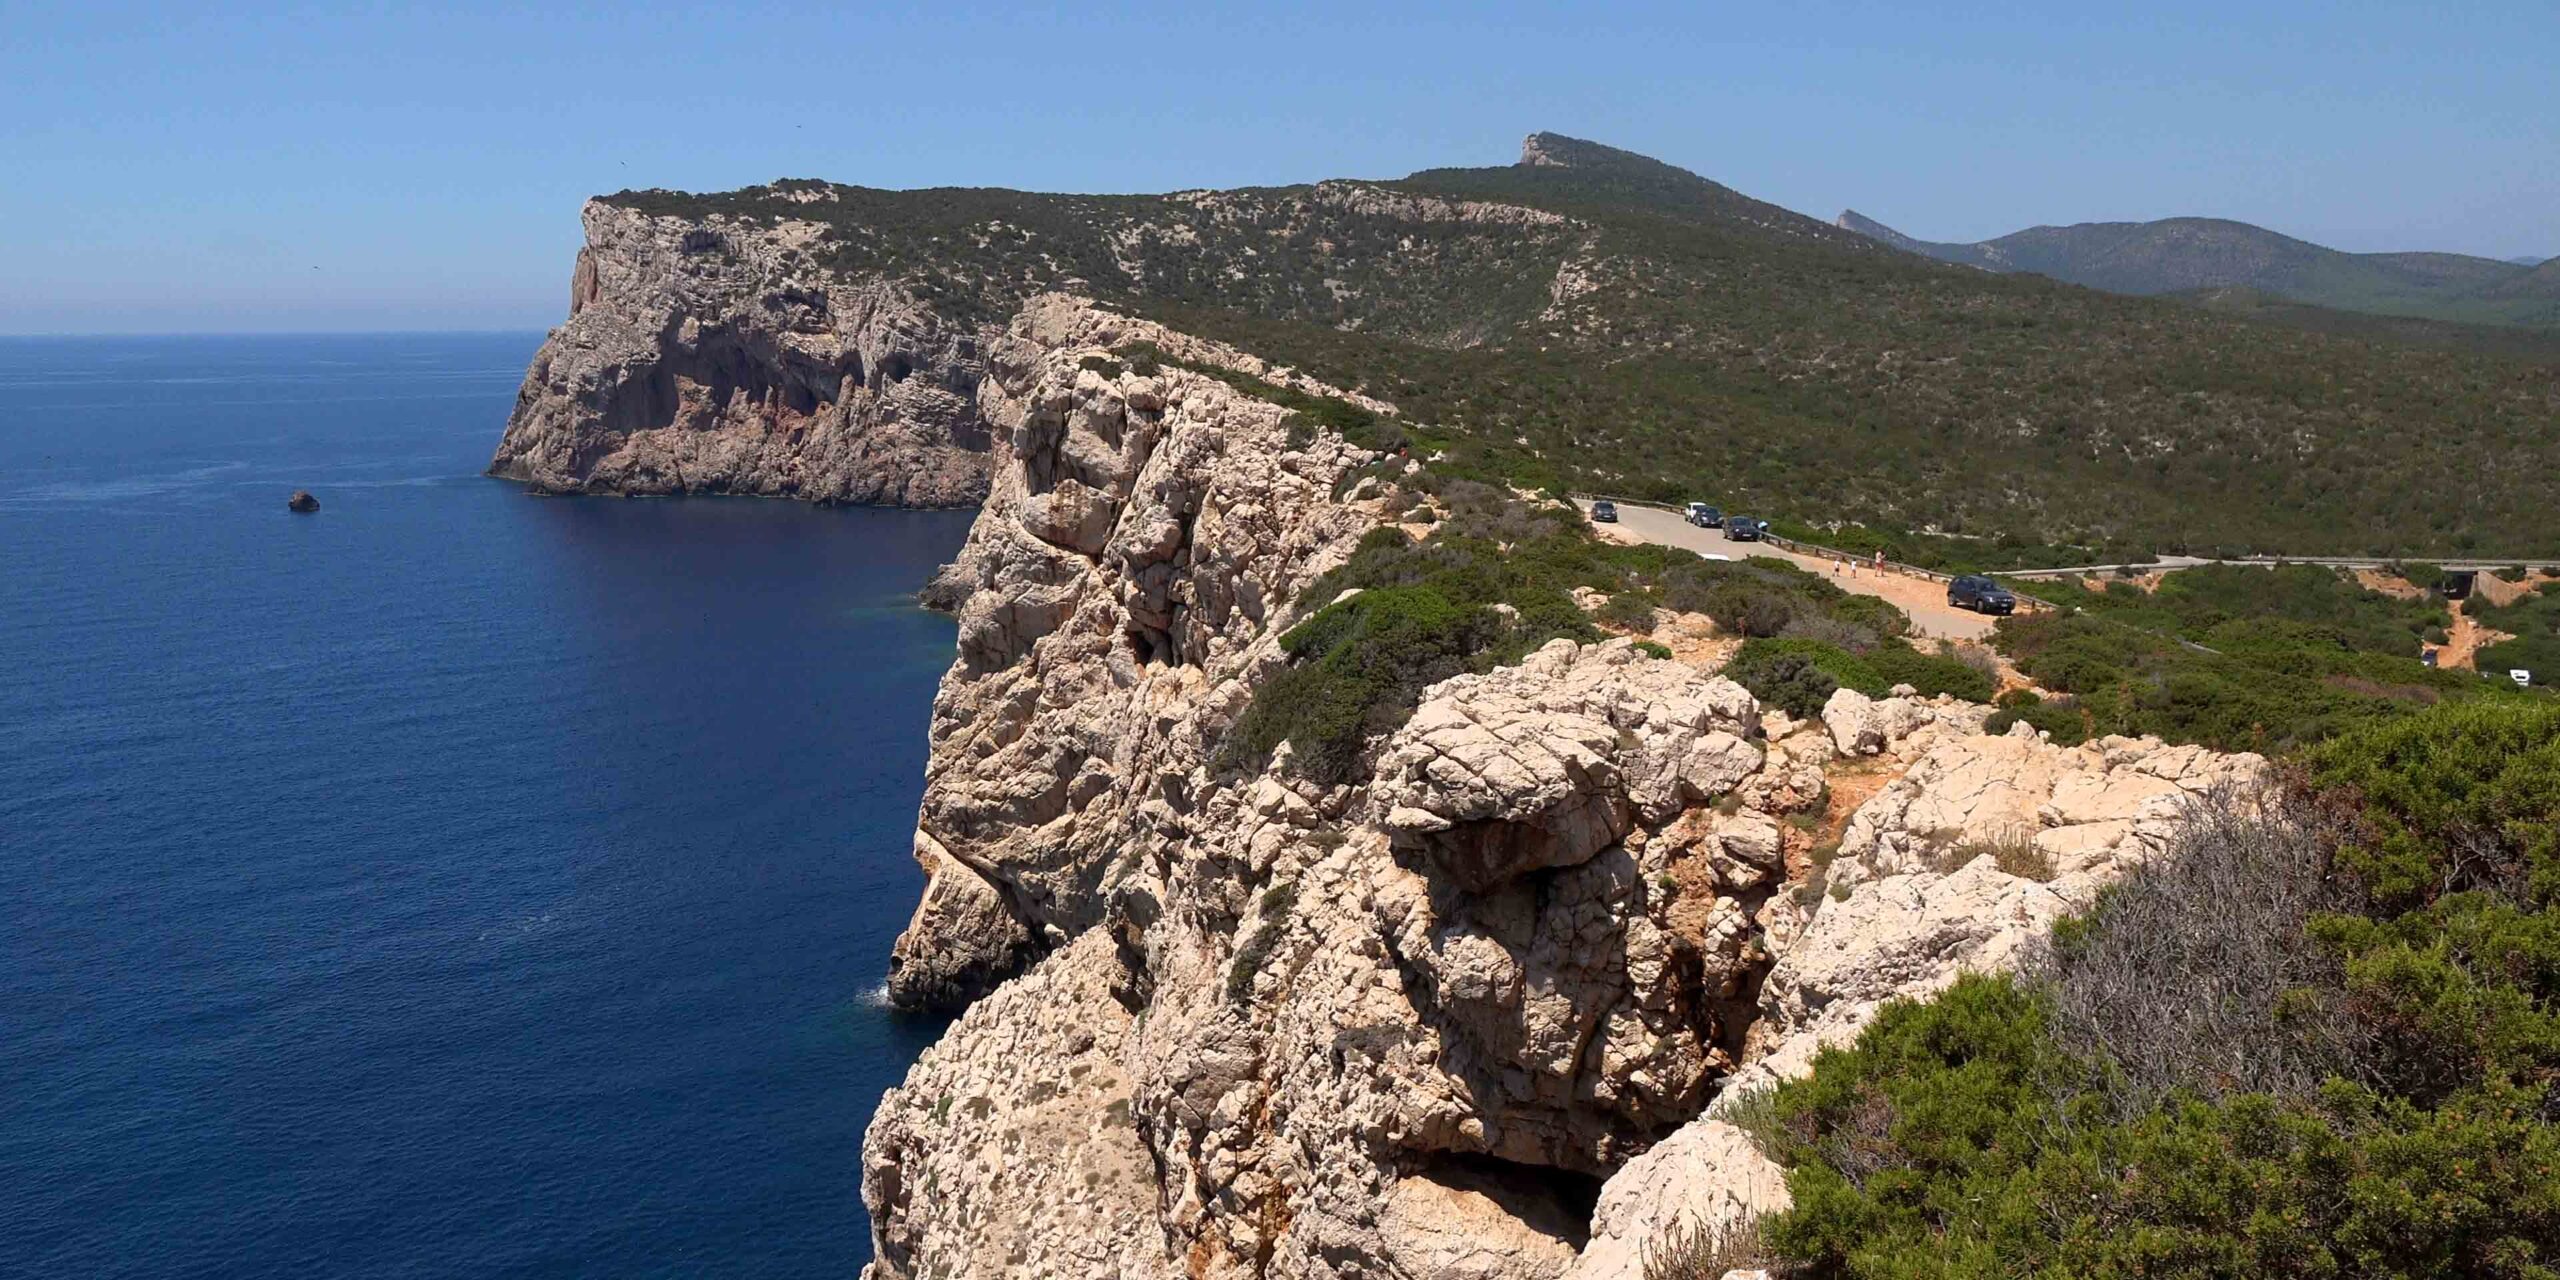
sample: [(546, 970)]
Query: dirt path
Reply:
[(1924, 599), (2465, 639)]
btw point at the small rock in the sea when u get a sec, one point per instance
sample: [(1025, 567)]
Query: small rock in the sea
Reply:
[(302, 501)]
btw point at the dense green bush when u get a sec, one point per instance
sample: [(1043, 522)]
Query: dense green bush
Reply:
[(1630, 611), (1930, 674), (1957, 1140), (2319, 1039), (1774, 670), (1790, 680)]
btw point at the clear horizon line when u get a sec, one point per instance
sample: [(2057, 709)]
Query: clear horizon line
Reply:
[(53, 334)]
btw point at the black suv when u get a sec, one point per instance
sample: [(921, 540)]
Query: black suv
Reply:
[(1741, 529), (1980, 594), (1604, 512)]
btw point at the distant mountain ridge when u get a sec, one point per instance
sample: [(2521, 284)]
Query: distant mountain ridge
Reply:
[(2175, 255)]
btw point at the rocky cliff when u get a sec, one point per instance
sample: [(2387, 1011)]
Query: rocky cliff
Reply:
[(1476, 1014), (717, 356), (1470, 1016)]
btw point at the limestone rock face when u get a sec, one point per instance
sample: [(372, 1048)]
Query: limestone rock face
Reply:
[(1862, 726), (1035, 1075), (718, 358), (1912, 906), (1362, 1044), (1469, 1016), (1541, 765), (1474, 1016), (1115, 601)]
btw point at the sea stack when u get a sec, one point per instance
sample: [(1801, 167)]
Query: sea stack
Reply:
[(302, 501)]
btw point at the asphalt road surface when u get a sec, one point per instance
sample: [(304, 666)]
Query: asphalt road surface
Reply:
[(1923, 598)]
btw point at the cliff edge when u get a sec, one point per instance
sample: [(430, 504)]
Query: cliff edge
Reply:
[(1470, 1014), (717, 356)]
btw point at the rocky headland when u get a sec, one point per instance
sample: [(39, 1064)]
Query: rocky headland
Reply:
[(1485, 984), (1472, 1015), (719, 358), (1481, 1011)]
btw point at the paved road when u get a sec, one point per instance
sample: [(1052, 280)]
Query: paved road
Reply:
[(2454, 565), (1925, 600)]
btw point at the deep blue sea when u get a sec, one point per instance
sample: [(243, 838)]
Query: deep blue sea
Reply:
[(448, 883)]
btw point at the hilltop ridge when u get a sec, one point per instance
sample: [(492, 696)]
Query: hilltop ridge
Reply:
[(1583, 318), (2172, 255)]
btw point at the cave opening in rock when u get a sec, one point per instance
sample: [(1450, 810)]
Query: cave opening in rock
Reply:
[(1552, 1201)]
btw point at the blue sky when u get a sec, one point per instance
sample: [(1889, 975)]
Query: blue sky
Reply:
[(192, 169)]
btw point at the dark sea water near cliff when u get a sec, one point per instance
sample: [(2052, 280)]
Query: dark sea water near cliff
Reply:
[(449, 883)]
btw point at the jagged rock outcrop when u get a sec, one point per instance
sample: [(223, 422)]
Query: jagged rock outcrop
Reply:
[(1356, 1043), (1471, 1015), (1918, 897), (1115, 601), (717, 356)]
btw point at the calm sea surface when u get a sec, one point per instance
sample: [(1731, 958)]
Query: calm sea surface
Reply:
[(449, 883)]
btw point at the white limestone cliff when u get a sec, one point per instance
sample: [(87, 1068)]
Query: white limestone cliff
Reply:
[(718, 357)]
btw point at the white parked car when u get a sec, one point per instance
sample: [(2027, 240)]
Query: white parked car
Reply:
[(2522, 677)]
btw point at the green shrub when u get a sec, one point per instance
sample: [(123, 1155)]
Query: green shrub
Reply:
[(2318, 1038), (2252, 684), (1786, 678), (1489, 584), (1956, 1140), (1363, 663), (1629, 611), (1930, 674), (1873, 673)]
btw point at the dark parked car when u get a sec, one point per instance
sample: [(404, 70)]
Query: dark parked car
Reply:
[(1605, 512), (1743, 529), (1705, 516), (1980, 594)]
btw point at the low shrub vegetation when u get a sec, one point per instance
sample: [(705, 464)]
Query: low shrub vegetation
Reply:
[(1799, 675), (2251, 683), (1489, 584), (2321, 1037)]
